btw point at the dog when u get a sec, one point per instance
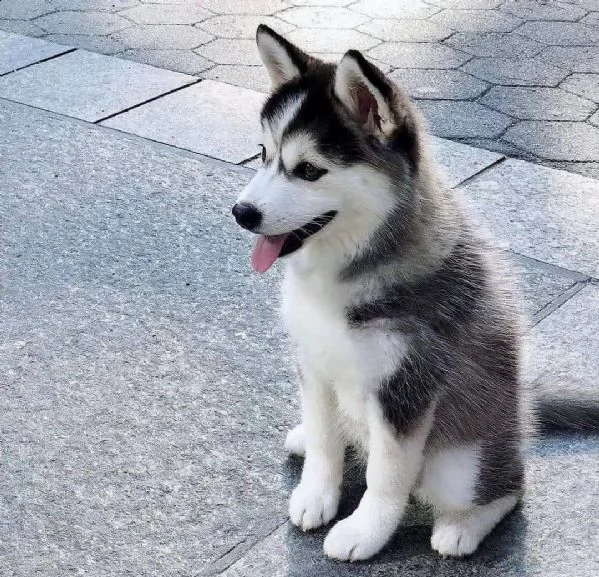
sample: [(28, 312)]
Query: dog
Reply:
[(408, 341)]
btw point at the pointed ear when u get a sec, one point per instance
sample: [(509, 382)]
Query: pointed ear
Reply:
[(283, 60), (377, 105)]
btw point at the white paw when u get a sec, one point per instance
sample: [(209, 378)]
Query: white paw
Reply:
[(354, 540), (454, 540), (312, 506), (295, 443)]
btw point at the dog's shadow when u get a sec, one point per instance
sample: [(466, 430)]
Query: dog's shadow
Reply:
[(409, 553)]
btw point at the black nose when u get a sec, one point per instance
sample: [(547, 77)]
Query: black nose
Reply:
[(246, 215)]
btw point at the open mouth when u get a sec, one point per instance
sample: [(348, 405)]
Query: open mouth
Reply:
[(270, 248)]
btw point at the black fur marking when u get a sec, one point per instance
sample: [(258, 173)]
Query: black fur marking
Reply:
[(443, 301)]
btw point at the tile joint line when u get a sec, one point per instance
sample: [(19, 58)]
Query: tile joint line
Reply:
[(67, 51)]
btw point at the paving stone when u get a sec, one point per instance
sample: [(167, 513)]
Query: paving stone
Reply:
[(466, 4), (166, 14), (476, 20), (595, 119), (184, 61), (87, 85), (540, 212), (590, 169), (320, 2), (322, 17), (415, 9), (592, 19), (500, 146), (251, 77), (193, 119), (457, 162), (338, 41), (405, 30), (163, 37), (576, 58), (264, 7), (109, 5), (443, 84), (101, 44), (561, 342), (241, 26), (560, 33), (534, 103), (495, 45), (160, 402), (535, 10), (90, 23), (463, 119), (547, 536), (224, 51), (419, 55), (515, 71), (574, 141), (23, 27), (586, 85), (21, 10), (17, 51)]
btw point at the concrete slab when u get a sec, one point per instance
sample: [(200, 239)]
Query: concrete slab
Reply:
[(564, 343), (88, 86), (17, 51), (211, 118), (143, 403), (540, 212)]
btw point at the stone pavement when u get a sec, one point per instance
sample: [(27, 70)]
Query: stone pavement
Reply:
[(146, 385), (517, 76)]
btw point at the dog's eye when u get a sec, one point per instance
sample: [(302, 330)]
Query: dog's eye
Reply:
[(308, 171), (263, 152)]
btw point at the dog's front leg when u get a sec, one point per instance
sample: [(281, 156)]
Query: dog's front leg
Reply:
[(394, 461), (315, 501)]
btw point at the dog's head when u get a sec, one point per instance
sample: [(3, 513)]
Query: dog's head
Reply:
[(331, 137)]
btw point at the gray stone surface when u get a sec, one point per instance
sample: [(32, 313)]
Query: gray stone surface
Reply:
[(495, 45), (594, 119), (439, 84), (419, 55), (166, 14), (107, 5), (476, 20), (516, 71), (546, 214), (415, 9), (549, 535), (24, 27), (87, 85), (242, 26), (577, 58), (251, 77), (534, 103), (573, 141), (157, 37), (17, 51), (458, 162), (562, 342), (143, 405), (90, 23), (560, 33), (463, 119), (193, 119), (586, 85), (405, 30), (322, 17), (227, 51), (20, 10), (535, 10), (101, 44), (184, 61), (317, 40), (265, 7)]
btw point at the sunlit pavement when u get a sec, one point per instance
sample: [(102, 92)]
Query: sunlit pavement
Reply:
[(146, 386)]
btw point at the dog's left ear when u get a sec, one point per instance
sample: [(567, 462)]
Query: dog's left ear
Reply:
[(376, 104), (284, 61)]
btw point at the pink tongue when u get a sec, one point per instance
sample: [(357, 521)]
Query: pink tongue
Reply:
[(266, 251)]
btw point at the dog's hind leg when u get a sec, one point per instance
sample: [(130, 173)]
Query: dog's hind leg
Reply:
[(295, 442)]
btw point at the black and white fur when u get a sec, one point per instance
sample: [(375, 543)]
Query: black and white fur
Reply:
[(407, 342)]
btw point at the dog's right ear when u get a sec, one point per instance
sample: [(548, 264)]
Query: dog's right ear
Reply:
[(283, 60)]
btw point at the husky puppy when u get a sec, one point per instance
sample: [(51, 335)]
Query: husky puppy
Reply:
[(407, 343)]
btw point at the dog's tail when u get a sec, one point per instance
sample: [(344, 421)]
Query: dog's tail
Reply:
[(566, 408)]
